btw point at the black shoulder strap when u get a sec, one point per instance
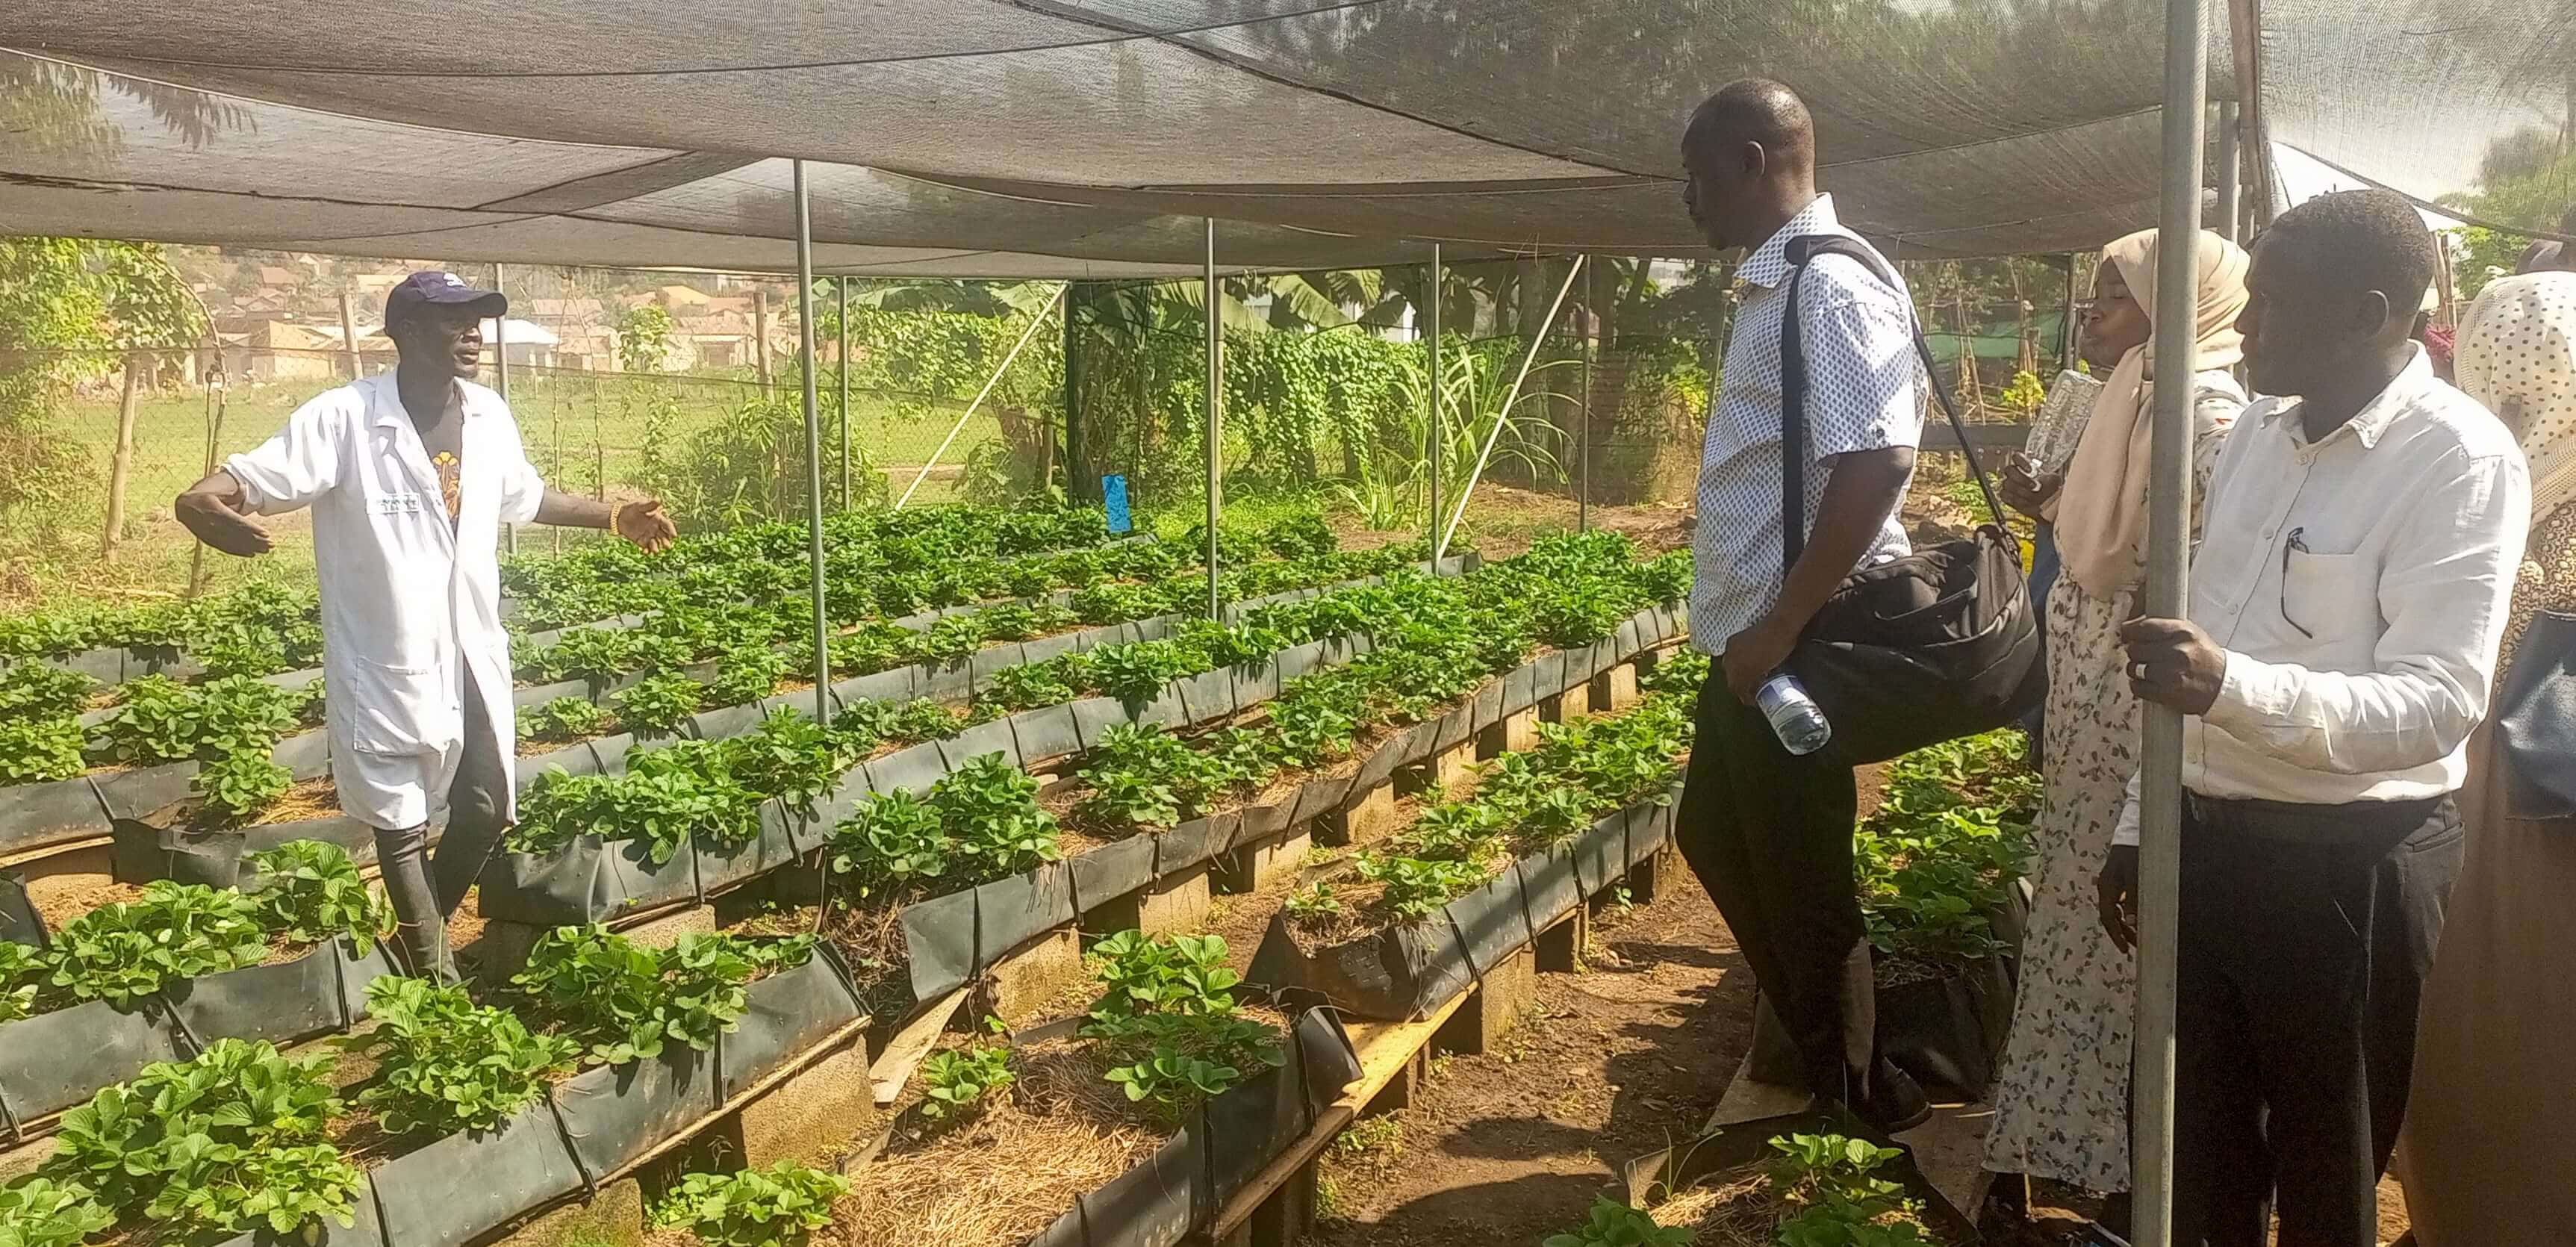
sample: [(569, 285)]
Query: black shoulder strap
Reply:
[(1793, 391)]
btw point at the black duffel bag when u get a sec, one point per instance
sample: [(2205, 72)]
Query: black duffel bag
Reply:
[(1940, 644)]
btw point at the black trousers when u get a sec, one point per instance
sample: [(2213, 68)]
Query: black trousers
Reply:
[(1770, 836), (424, 892), (2299, 972)]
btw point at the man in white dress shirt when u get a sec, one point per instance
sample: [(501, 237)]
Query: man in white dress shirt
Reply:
[(2358, 553), (410, 476)]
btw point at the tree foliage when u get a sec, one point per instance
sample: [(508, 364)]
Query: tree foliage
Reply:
[(643, 338), (69, 308)]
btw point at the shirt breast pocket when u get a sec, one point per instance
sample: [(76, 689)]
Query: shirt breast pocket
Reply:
[(2331, 598)]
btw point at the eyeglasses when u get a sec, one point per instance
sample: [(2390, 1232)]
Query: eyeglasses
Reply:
[(2297, 541)]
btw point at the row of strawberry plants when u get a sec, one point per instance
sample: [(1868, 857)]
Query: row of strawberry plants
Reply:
[(267, 628), (300, 894), (765, 649), (238, 779), (1437, 641), (693, 788), (1940, 858), (961, 553), (241, 1138), (1145, 777), (1524, 802), (1208, 1091)]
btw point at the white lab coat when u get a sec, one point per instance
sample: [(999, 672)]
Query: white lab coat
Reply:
[(408, 606)]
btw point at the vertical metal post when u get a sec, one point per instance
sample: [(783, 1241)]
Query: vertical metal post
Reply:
[(349, 336), (2066, 325), (813, 449), (1215, 345), (1503, 414), (1590, 326), (501, 375), (2231, 176), (760, 335), (841, 302), (2168, 527), (1076, 484), (1435, 443)]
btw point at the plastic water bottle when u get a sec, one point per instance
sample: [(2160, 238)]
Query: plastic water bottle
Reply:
[(1795, 717)]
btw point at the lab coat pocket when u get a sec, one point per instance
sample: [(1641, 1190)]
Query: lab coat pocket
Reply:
[(398, 709)]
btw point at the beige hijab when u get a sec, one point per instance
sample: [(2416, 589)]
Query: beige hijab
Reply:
[(2102, 508)]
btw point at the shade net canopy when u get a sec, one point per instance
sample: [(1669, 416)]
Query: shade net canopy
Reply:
[(1088, 138)]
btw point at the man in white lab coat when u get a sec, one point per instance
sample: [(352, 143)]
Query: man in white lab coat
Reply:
[(410, 477)]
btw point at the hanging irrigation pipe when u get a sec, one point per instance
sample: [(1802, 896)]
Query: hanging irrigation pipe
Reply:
[(813, 449), (989, 383), (1503, 416)]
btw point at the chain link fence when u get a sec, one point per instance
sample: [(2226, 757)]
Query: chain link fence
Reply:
[(1610, 413)]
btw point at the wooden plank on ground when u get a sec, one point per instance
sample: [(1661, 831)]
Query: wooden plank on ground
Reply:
[(905, 1051), (1384, 1049)]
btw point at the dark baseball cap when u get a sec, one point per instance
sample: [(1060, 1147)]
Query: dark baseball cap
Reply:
[(441, 287)]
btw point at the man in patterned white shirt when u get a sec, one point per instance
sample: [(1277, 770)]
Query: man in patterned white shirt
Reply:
[(1770, 833)]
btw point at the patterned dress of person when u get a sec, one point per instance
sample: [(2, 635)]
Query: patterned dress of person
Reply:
[(2062, 1102), (2488, 1154)]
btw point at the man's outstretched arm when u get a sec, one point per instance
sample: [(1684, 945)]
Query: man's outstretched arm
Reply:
[(644, 523), (217, 510)]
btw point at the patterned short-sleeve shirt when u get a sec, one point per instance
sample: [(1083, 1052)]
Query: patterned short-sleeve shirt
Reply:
[(1866, 391)]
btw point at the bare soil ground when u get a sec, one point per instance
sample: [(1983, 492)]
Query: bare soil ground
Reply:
[(1511, 1146), (1626, 1058)]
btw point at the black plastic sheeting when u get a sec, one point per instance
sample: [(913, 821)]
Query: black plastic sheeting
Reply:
[(35, 815), (1947, 1032), (1408, 970), (56, 1060), (454, 1189), (463, 1187), (951, 939), (1219, 1149), (19, 921)]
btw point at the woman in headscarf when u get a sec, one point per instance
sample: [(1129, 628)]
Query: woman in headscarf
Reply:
[(2062, 1103), (2488, 1154)]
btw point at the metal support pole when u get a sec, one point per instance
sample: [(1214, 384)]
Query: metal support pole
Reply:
[(501, 375), (1215, 377), (813, 449), (2066, 325), (989, 383), (2168, 529), (1076, 484), (1591, 327), (841, 305), (2231, 176), (1502, 415), (349, 336), (1435, 443)]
